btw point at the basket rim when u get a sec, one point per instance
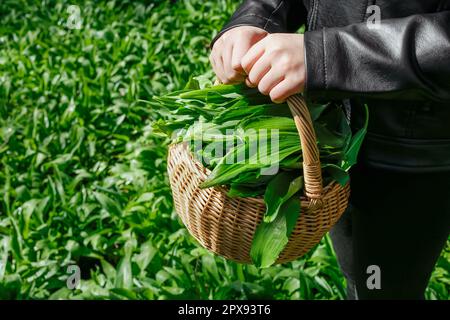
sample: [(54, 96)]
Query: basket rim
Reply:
[(328, 190)]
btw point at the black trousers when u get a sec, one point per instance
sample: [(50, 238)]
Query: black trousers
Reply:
[(398, 222)]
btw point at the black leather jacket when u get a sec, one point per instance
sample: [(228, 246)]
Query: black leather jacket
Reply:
[(400, 70)]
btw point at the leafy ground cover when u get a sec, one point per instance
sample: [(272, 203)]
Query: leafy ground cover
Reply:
[(82, 176)]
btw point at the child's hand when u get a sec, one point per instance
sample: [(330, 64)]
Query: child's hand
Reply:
[(276, 65), (228, 50)]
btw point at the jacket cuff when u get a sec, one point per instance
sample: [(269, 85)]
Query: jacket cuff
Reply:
[(315, 63)]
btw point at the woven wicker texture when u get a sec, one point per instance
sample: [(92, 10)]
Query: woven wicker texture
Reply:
[(226, 225)]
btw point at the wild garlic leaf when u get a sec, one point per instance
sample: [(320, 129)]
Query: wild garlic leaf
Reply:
[(279, 190), (271, 238), (351, 153)]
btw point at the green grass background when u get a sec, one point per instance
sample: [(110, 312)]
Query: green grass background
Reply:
[(82, 177)]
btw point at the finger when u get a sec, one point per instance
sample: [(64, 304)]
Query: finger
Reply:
[(212, 61), (269, 81), (249, 84), (284, 90), (253, 54), (259, 69), (231, 75), (216, 57), (241, 47), (221, 72), (239, 51), (216, 67), (219, 68)]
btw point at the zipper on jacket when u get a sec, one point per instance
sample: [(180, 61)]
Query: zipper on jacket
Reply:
[(312, 15)]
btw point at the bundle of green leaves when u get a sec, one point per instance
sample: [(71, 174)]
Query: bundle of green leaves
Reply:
[(252, 146)]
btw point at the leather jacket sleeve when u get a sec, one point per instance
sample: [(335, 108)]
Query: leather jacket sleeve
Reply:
[(404, 59), (270, 15)]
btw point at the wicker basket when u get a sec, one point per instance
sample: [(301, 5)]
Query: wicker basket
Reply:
[(226, 225)]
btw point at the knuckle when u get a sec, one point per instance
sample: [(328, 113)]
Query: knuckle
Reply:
[(275, 49), (286, 58), (227, 39), (219, 42), (239, 31), (298, 81), (284, 63)]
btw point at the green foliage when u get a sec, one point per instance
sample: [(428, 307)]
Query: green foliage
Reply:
[(82, 174)]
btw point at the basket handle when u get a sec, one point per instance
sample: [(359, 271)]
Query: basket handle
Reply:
[(312, 172)]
